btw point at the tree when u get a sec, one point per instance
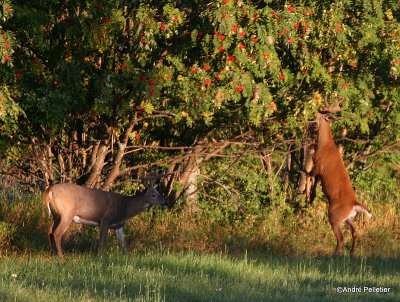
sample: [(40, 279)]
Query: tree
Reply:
[(110, 88)]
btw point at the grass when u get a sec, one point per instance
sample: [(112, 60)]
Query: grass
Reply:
[(188, 276)]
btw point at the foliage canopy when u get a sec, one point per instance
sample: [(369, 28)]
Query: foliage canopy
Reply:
[(93, 90)]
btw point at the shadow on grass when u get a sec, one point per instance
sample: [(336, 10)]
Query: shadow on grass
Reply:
[(187, 276)]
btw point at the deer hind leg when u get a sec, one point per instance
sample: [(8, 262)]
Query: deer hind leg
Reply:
[(56, 222), (58, 233), (339, 237), (354, 234)]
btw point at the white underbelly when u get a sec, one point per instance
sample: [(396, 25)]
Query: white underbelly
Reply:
[(80, 220)]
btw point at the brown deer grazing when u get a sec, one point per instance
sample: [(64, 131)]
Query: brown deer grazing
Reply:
[(69, 202), (336, 184)]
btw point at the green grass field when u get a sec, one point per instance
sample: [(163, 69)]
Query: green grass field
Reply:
[(188, 276)]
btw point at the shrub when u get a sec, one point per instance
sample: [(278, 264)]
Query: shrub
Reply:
[(7, 233)]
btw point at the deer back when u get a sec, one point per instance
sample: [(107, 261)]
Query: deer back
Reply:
[(82, 201)]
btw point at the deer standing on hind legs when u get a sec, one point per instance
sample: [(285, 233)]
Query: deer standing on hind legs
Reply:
[(336, 184), (69, 202)]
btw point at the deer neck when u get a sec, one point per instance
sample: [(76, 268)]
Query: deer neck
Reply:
[(136, 204), (324, 133)]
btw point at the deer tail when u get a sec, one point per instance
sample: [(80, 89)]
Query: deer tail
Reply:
[(47, 196), (363, 208)]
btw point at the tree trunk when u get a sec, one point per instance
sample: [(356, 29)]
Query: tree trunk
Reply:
[(69, 163), (50, 164), (99, 159), (61, 164), (306, 184), (169, 181), (288, 167), (115, 170), (190, 186), (44, 166), (266, 155), (188, 179)]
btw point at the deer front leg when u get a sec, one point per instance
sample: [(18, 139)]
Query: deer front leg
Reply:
[(104, 227)]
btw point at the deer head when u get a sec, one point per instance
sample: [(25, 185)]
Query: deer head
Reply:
[(327, 112), (152, 195)]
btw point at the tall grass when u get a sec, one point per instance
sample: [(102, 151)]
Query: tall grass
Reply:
[(24, 224), (188, 276)]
